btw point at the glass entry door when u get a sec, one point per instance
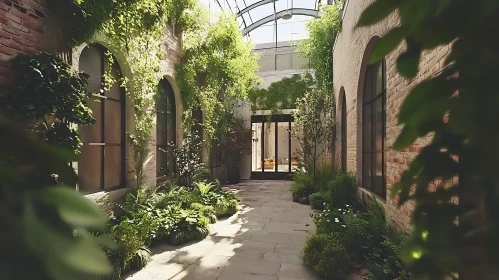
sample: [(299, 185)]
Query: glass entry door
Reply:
[(271, 149)]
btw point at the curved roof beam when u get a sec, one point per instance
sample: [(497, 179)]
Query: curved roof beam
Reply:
[(294, 11), (254, 5)]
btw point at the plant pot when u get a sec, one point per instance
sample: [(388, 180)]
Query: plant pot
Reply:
[(233, 175)]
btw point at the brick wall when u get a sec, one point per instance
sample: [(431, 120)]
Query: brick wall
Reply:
[(350, 56), (22, 30)]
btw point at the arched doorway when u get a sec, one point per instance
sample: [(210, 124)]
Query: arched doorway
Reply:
[(166, 129), (102, 160)]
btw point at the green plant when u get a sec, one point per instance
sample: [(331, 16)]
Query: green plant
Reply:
[(217, 67), (281, 94), (319, 47), (458, 108), (207, 211), (207, 178), (190, 225), (327, 256), (303, 186), (343, 190), (324, 174), (188, 160), (239, 140), (204, 188), (314, 128), (47, 91), (319, 200), (45, 227), (385, 261)]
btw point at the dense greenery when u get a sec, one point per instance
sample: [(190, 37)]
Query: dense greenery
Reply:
[(461, 125), (44, 227), (315, 129), (304, 186), (239, 140), (217, 68), (319, 47), (348, 233), (281, 94), (171, 214), (49, 93)]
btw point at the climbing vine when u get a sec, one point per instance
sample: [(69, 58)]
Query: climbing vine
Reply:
[(281, 94), (458, 107), (217, 69), (319, 47), (137, 29)]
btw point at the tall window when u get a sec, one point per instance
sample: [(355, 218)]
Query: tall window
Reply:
[(102, 159), (165, 129), (344, 134), (373, 129)]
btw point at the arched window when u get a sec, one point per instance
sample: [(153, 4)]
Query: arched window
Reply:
[(373, 129), (102, 160), (344, 133), (166, 129)]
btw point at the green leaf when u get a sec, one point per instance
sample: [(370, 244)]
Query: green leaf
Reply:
[(408, 62), (377, 11), (73, 207), (406, 137), (387, 43)]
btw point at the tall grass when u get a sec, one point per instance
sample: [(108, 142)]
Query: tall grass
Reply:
[(304, 185)]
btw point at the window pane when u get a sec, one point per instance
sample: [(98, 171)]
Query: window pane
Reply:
[(378, 174), (366, 170), (269, 147), (295, 150), (115, 91), (283, 147), (89, 168), (343, 135), (256, 147), (367, 129), (161, 164), (379, 77), (91, 60), (368, 86), (161, 129), (378, 133), (112, 166), (92, 133), (112, 124)]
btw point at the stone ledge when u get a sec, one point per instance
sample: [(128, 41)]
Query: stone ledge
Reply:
[(105, 199)]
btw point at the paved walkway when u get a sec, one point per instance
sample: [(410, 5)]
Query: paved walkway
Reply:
[(261, 242)]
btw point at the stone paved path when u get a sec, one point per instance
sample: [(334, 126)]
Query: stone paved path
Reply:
[(261, 242)]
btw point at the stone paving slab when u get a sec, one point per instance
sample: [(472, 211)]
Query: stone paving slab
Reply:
[(262, 241)]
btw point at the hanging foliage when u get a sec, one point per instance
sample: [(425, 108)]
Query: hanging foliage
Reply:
[(459, 107), (46, 91), (319, 47), (217, 68), (281, 94)]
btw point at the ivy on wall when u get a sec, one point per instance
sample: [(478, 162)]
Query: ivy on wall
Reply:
[(319, 47), (459, 108), (217, 68), (136, 28), (282, 94)]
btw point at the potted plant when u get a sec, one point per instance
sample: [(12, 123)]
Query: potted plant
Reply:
[(239, 139)]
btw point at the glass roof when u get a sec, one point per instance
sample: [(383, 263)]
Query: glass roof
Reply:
[(257, 18)]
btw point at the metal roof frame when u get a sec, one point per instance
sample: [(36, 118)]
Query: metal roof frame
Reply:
[(278, 15)]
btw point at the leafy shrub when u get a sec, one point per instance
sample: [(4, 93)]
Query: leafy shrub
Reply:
[(385, 261), (318, 200), (188, 160), (189, 225), (207, 178), (325, 173), (207, 211), (203, 187), (303, 186), (343, 190), (327, 256)]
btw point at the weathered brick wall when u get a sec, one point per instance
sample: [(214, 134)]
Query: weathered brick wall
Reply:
[(22, 30), (350, 56)]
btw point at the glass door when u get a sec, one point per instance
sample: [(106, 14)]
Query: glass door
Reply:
[(272, 146)]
